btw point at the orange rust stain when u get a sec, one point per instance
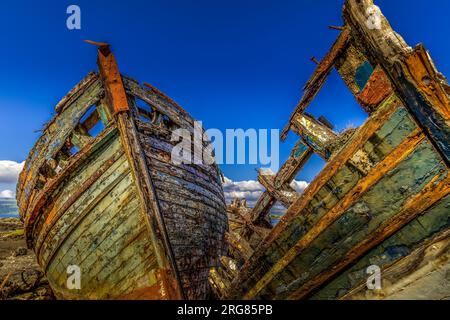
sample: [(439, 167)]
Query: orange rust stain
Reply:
[(424, 74), (171, 290), (377, 89), (112, 80), (146, 293), (51, 216), (166, 288)]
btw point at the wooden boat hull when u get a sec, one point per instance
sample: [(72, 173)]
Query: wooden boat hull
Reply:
[(91, 210)]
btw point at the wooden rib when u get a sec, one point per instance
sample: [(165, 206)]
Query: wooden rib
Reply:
[(76, 92), (284, 176), (50, 187), (377, 173), (426, 100), (432, 193), (92, 120), (359, 138), (314, 134), (319, 77), (293, 165), (285, 194)]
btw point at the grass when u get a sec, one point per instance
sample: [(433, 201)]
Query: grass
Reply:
[(12, 234)]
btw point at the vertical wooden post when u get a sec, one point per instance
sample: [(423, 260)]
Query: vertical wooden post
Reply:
[(117, 100)]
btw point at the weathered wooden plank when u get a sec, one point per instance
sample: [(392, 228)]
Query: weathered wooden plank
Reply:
[(285, 194), (89, 244), (239, 244), (52, 140), (390, 135), (52, 185), (183, 172), (159, 103), (54, 234), (86, 245), (415, 79), (99, 226), (319, 77), (112, 80), (262, 207), (150, 207), (433, 192), (76, 92), (377, 206), (167, 146), (298, 158), (191, 187), (398, 246), (338, 162), (390, 162), (78, 178), (314, 134), (419, 275)]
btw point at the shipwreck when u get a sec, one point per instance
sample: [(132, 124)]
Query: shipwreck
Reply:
[(382, 201), (99, 192), (111, 201)]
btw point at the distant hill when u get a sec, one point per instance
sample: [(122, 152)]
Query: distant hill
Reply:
[(8, 208)]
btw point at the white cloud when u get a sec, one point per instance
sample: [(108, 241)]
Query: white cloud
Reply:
[(299, 186), (252, 190), (9, 171), (7, 194)]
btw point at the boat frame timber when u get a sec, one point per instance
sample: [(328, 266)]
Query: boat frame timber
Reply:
[(387, 78)]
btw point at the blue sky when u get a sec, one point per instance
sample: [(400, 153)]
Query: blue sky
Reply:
[(231, 64)]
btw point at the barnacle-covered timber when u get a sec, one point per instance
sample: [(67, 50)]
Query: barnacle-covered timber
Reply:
[(102, 200), (382, 201)]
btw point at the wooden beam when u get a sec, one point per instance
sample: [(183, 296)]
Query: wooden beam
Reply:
[(218, 282), (229, 265), (240, 244), (319, 77), (112, 79), (359, 138), (284, 194), (316, 135), (411, 72), (390, 162), (296, 161), (436, 190), (262, 207)]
